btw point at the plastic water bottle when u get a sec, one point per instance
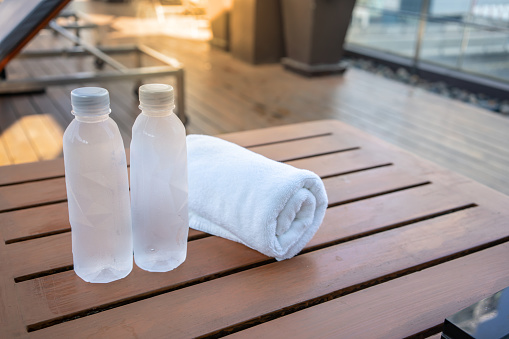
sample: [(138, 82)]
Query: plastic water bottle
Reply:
[(159, 182), (97, 189)]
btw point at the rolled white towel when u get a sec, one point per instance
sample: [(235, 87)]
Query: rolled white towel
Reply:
[(240, 195)]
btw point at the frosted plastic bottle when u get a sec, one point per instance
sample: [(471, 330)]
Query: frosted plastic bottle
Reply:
[(159, 182), (97, 189)]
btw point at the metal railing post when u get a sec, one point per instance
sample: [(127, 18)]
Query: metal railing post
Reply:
[(466, 35), (420, 32)]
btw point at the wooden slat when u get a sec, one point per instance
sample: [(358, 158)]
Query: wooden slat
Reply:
[(339, 189), (42, 221), (206, 257), (279, 133), (36, 192), (402, 157), (304, 148), (53, 218), (32, 194), (34, 222), (342, 158), (342, 162), (377, 181), (383, 212), (56, 251), (353, 134), (50, 169), (392, 176), (11, 322), (32, 171), (27, 172), (357, 221), (237, 298), (418, 302)]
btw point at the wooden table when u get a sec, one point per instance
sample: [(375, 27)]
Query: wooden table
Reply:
[(404, 244)]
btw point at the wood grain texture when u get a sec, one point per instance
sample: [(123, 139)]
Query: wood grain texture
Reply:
[(342, 162), (244, 296), (53, 218), (384, 212), (35, 221), (420, 301), (65, 293), (32, 171), (341, 189), (341, 223), (42, 221), (392, 216), (11, 321), (32, 194), (53, 190)]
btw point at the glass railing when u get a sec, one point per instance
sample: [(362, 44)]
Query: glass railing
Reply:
[(470, 36)]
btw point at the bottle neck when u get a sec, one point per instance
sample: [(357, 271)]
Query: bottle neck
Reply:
[(92, 118), (157, 113)]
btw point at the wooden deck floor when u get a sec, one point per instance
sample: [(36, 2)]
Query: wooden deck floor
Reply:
[(225, 95)]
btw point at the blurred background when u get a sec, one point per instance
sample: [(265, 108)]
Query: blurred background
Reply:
[(430, 76), (470, 36)]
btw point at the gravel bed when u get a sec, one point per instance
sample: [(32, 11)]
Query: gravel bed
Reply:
[(403, 75)]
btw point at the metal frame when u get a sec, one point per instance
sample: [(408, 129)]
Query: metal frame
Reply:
[(423, 17), (172, 67)]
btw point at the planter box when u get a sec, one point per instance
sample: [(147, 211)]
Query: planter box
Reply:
[(314, 33), (256, 31)]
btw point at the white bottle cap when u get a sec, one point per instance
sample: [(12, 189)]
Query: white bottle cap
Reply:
[(156, 97), (88, 101)]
